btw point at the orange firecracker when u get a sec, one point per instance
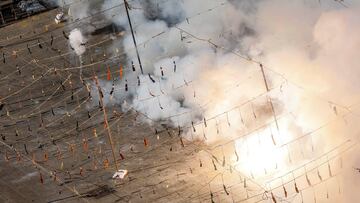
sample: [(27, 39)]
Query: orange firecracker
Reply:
[(85, 145), (121, 72), (145, 142), (108, 74), (106, 163), (46, 156)]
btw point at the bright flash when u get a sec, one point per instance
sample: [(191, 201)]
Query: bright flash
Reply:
[(259, 154)]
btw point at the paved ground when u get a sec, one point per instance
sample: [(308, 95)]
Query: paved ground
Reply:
[(47, 126)]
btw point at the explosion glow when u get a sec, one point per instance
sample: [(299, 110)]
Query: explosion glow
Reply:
[(259, 156)]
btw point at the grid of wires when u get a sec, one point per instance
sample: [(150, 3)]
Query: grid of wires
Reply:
[(42, 98)]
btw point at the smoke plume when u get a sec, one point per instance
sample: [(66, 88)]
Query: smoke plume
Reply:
[(77, 41)]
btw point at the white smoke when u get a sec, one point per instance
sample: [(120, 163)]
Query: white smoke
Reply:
[(77, 41)]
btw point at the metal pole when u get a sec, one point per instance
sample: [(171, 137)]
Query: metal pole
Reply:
[(270, 101), (132, 33), (106, 122)]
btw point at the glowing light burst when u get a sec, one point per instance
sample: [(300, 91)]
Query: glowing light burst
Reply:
[(259, 154)]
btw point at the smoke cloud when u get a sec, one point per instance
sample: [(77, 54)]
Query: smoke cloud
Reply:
[(77, 41)]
